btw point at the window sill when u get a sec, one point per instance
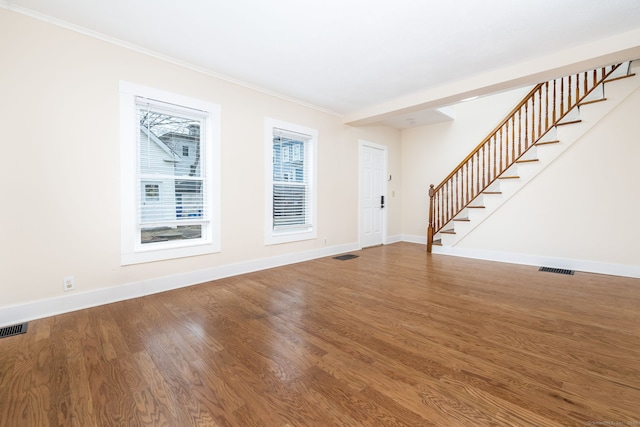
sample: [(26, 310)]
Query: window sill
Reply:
[(275, 238), (161, 254)]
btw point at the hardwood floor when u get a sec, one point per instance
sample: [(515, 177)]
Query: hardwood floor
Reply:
[(394, 337)]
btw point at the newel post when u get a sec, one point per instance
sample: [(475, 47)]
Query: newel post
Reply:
[(430, 228)]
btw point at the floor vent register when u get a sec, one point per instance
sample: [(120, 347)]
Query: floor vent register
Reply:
[(9, 331), (556, 270)]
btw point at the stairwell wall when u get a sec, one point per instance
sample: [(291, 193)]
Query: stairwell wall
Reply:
[(584, 206), (581, 212), (429, 153)]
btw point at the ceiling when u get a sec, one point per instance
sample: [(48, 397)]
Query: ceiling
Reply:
[(355, 58)]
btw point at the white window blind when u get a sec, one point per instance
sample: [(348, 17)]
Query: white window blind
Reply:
[(172, 202), (292, 202)]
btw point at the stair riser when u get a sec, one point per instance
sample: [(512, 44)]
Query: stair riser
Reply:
[(596, 94), (532, 153), (551, 135), (573, 114)]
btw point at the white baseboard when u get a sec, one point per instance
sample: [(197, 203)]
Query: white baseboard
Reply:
[(527, 259), (77, 301), (394, 239), (542, 261), (414, 239)]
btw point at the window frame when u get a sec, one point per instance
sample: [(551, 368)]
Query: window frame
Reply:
[(271, 235), (132, 249)]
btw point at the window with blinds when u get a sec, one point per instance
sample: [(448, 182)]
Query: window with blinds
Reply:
[(172, 202), (291, 183), (291, 191), (170, 183)]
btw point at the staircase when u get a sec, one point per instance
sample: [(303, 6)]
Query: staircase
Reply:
[(552, 116)]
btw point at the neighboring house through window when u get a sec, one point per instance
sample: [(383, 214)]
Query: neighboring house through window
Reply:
[(290, 151), (170, 175)]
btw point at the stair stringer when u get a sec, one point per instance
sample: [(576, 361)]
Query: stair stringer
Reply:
[(589, 114)]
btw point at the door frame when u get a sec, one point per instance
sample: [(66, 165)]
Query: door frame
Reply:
[(361, 144)]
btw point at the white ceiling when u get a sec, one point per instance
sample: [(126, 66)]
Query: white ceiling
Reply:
[(346, 56)]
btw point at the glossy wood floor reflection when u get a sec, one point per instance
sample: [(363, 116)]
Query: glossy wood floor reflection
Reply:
[(394, 337)]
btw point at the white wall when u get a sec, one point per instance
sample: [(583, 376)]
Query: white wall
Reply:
[(60, 174)]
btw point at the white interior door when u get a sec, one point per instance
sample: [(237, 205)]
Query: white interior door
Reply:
[(373, 161)]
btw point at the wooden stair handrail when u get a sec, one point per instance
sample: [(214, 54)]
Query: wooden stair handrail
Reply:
[(464, 184), (491, 134)]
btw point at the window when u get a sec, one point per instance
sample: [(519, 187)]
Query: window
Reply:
[(151, 193), (297, 150), (170, 200), (290, 182)]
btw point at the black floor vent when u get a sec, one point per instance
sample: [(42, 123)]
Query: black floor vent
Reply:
[(556, 270), (8, 331), (345, 257)]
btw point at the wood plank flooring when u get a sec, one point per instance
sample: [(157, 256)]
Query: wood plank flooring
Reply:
[(394, 337)]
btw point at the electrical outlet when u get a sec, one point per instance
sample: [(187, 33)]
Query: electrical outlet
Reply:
[(68, 284)]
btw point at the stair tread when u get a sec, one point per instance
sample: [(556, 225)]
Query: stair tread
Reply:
[(570, 122), (437, 242), (492, 192), (620, 78), (509, 177), (475, 207), (527, 160), (461, 219), (593, 101), (449, 231), (555, 141)]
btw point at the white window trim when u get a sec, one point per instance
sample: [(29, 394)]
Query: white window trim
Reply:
[(271, 236), (131, 251)]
